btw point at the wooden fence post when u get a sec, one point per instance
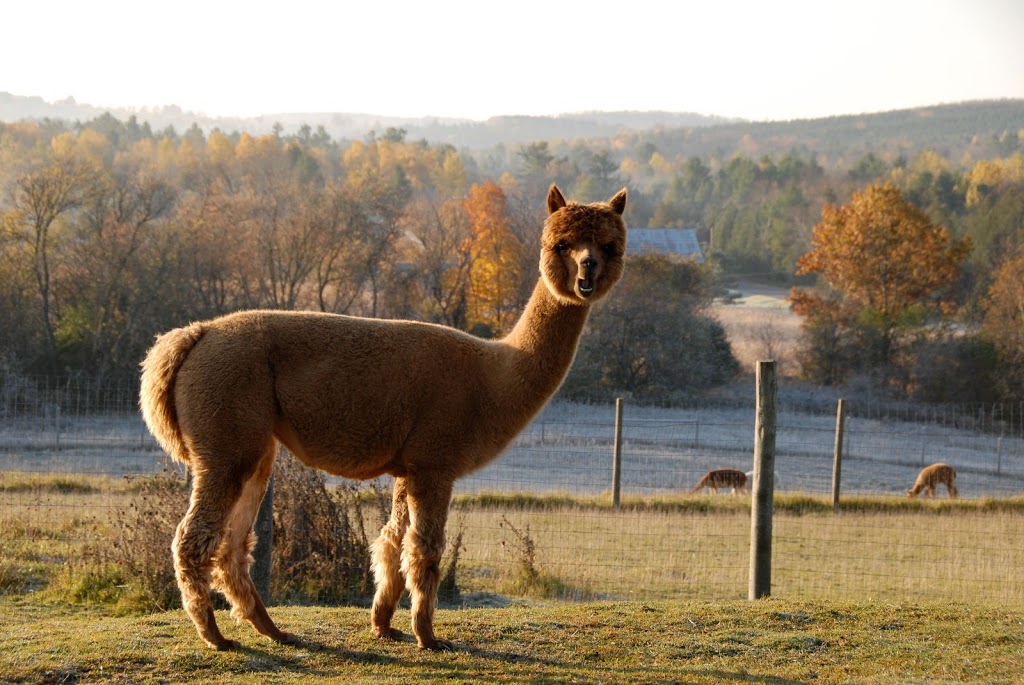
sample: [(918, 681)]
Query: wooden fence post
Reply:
[(617, 455), (264, 529), (837, 457), (764, 484)]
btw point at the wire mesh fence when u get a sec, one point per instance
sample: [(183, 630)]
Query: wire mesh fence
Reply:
[(539, 519)]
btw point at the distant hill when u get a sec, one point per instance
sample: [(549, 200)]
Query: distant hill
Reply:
[(342, 126), (979, 130)]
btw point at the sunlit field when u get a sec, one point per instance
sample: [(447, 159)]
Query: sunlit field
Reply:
[(682, 547), (759, 326)]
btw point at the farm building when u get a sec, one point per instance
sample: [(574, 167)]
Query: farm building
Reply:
[(677, 241)]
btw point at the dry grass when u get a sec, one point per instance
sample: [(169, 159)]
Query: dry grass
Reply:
[(654, 548), (641, 554), (764, 331)]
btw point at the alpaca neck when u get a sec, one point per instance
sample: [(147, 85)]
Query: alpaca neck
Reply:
[(541, 347)]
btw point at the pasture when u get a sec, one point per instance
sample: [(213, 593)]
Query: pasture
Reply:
[(555, 585), (769, 641), (887, 591)]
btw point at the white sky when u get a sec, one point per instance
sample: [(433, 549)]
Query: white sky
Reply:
[(757, 59)]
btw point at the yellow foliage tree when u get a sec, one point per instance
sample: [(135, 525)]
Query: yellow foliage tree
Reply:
[(494, 301), (993, 175), (1004, 323)]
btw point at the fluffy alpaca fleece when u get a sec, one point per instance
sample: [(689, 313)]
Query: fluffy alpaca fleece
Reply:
[(932, 476), (722, 478), (359, 398)]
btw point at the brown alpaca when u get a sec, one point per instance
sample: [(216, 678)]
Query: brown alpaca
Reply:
[(359, 398), (932, 476), (722, 478)]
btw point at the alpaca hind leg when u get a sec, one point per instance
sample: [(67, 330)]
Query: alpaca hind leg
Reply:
[(387, 569), (195, 542), (422, 548), (234, 555)]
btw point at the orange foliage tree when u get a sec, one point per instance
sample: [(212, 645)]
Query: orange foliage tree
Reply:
[(494, 298), (885, 269), (1004, 324)]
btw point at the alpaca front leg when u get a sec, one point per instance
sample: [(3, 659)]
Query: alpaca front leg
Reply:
[(387, 570), (422, 548)]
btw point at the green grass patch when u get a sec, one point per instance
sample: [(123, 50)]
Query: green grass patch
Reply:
[(80, 485), (769, 641)]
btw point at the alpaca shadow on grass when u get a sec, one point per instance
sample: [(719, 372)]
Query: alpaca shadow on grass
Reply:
[(260, 659)]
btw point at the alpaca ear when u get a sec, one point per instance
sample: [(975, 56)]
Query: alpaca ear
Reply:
[(555, 199), (618, 202)]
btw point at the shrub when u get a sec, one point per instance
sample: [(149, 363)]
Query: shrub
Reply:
[(954, 369), (652, 339), (321, 551), (143, 532)]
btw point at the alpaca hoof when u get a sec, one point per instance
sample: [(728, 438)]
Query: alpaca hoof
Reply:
[(225, 645), (287, 638), (388, 634), (438, 646)]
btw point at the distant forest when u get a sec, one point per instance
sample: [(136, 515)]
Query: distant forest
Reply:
[(116, 228)]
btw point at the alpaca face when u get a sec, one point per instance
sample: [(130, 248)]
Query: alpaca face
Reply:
[(583, 247)]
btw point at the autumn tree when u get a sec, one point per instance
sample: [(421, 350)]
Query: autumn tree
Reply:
[(109, 304), (884, 269), (441, 262), (1004, 324), (358, 225), (494, 279), (40, 202)]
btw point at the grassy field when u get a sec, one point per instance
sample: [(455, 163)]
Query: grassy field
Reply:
[(970, 554), (768, 641), (888, 590), (659, 548)]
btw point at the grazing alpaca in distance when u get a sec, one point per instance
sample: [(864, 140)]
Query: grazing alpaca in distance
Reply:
[(722, 478), (360, 398), (932, 476)]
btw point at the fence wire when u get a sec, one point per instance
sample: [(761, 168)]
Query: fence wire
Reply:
[(538, 520)]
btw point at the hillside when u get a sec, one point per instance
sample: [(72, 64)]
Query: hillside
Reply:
[(349, 125), (983, 129)]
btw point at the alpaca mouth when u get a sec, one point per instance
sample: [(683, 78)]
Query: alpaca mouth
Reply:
[(585, 286)]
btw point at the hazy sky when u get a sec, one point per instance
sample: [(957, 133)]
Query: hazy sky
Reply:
[(758, 59)]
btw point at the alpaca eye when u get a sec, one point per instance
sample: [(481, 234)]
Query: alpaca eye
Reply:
[(609, 249), (562, 246)]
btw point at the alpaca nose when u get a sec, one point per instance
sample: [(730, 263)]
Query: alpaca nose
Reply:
[(588, 263)]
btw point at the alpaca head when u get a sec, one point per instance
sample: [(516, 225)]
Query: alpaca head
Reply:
[(583, 247)]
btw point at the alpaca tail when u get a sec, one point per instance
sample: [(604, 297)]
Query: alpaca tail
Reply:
[(156, 396)]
